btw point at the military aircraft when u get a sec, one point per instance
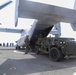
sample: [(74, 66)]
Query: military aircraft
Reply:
[(4, 3), (46, 17)]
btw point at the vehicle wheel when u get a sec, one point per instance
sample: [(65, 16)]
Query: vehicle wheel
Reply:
[(55, 54), (37, 50)]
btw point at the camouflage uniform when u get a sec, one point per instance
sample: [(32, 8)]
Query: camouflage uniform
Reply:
[(27, 44), (40, 38)]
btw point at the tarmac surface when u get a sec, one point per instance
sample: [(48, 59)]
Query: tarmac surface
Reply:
[(14, 62)]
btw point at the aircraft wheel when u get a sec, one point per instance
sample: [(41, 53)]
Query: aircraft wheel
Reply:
[(19, 47), (55, 54)]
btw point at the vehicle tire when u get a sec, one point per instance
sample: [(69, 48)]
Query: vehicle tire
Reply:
[(37, 50), (55, 54)]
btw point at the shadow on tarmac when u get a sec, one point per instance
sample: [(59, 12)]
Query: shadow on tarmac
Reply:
[(40, 63)]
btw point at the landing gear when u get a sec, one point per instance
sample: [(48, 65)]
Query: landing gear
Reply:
[(17, 47), (55, 54)]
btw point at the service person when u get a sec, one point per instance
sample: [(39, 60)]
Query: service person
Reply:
[(27, 43)]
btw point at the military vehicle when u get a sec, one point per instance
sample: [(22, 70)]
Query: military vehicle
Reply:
[(56, 48)]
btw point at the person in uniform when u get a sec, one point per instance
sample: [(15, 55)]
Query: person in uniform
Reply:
[(40, 37), (27, 43), (40, 40)]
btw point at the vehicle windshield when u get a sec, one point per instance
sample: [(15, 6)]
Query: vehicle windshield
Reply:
[(66, 39)]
